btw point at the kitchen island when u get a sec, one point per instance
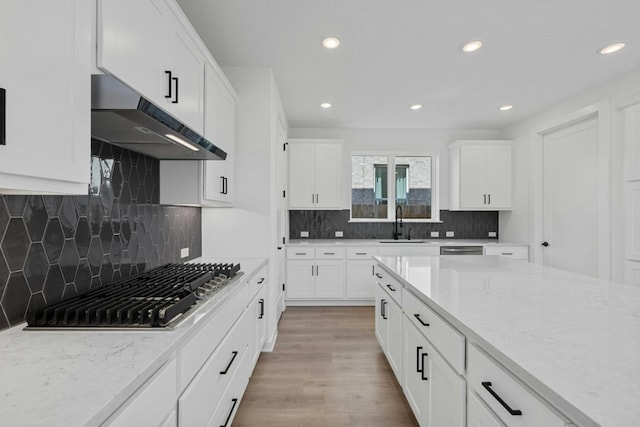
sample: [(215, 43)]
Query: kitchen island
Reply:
[(572, 339)]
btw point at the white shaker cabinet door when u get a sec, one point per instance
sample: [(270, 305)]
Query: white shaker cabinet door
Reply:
[(45, 73), (394, 338), (498, 176), (301, 174), (329, 279), (360, 280), (300, 279), (472, 176), (478, 415), (328, 170)]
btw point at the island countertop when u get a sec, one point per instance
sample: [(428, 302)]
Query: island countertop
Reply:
[(573, 339)]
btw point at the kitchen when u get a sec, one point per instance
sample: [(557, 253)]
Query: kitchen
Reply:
[(140, 212)]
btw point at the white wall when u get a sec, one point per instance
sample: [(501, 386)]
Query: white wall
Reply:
[(396, 140), (517, 225), (249, 229)]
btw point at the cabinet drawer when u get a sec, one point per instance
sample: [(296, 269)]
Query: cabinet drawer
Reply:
[(330, 253), (362, 252), (486, 377), (448, 341), (389, 284), (516, 252), (257, 282), (301, 253), (197, 350), (194, 406), (152, 403)]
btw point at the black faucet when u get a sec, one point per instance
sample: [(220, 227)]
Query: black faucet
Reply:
[(397, 231)]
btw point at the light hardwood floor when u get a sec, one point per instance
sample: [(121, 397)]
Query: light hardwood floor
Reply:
[(327, 369)]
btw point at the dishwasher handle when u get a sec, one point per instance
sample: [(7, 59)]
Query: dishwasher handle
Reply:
[(461, 250)]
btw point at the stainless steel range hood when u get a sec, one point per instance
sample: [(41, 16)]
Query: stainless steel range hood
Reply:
[(122, 117)]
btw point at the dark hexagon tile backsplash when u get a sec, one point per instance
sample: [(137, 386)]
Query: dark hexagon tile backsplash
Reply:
[(52, 247)]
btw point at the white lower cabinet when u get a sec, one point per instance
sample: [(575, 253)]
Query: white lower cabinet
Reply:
[(329, 279), (416, 388), (388, 326), (515, 252), (479, 415), (153, 403), (315, 274)]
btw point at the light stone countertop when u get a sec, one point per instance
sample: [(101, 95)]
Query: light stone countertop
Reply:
[(425, 242), (573, 339), (79, 378)]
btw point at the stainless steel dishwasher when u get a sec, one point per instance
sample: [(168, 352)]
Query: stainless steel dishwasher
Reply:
[(461, 250)]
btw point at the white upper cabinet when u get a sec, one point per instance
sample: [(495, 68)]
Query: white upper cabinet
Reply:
[(150, 46), (481, 175), (315, 173), (45, 74)]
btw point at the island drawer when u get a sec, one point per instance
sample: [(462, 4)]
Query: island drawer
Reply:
[(515, 252), (448, 341), (507, 397), (365, 252), (389, 284), (301, 253), (330, 253)]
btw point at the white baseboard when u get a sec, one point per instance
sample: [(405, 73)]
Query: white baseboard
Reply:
[(328, 303), (271, 342)]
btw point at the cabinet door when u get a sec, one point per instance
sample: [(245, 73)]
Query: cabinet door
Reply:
[(330, 279), (416, 371), (498, 176), (301, 176), (360, 280), (447, 394), (381, 322), (394, 338), (132, 44), (478, 415), (186, 63), (46, 55), (300, 279), (328, 170), (472, 177)]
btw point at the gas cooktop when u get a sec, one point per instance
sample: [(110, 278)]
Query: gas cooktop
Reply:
[(158, 298)]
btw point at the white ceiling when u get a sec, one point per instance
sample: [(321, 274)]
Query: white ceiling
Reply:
[(395, 53)]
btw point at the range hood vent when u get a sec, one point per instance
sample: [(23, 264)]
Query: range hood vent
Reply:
[(121, 117)]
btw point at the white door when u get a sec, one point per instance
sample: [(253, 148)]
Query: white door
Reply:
[(416, 387), (472, 177), (570, 198), (478, 415), (282, 214), (360, 280), (498, 176), (328, 166), (330, 279), (301, 279), (381, 322), (301, 176), (394, 338), (447, 394)]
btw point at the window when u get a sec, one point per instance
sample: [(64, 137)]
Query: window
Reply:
[(412, 187)]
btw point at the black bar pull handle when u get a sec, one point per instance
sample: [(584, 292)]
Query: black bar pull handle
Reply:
[(379, 276), (417, 316), (235, 402), (261, 281), (384, 311), (222, 181), (235, 353), (170, 81), (487, 386), (418, 368), (261, 301), (489, 196), (177, 80), (424, 378), (391, 288), (3, 116)]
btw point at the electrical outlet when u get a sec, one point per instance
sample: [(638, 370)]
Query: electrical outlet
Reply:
[(450, 234), (493, 234), (339, 234), (304, 234), (435, 234), (184, 252)]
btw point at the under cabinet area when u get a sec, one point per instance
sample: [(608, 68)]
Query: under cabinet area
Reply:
[(42, 106), (481, 175), (315, 173)]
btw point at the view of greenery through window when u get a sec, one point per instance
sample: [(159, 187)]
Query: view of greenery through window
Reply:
[(371, 189)]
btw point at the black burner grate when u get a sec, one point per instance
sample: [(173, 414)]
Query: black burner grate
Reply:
[(149, 299)]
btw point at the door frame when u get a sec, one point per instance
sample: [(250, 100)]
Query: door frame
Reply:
[(602, 113)]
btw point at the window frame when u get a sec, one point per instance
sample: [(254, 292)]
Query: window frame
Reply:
[(391, 185)]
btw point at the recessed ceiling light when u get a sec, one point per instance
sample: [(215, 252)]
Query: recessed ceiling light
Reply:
[(506, 107), (331, 42), (416, 106), (326, 105), (472, 46), (612, 48)]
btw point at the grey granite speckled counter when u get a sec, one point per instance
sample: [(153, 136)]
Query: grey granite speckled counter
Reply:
[(79, 378), (573, 339)]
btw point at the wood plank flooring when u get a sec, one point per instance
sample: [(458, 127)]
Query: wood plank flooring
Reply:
[(327, 369)]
